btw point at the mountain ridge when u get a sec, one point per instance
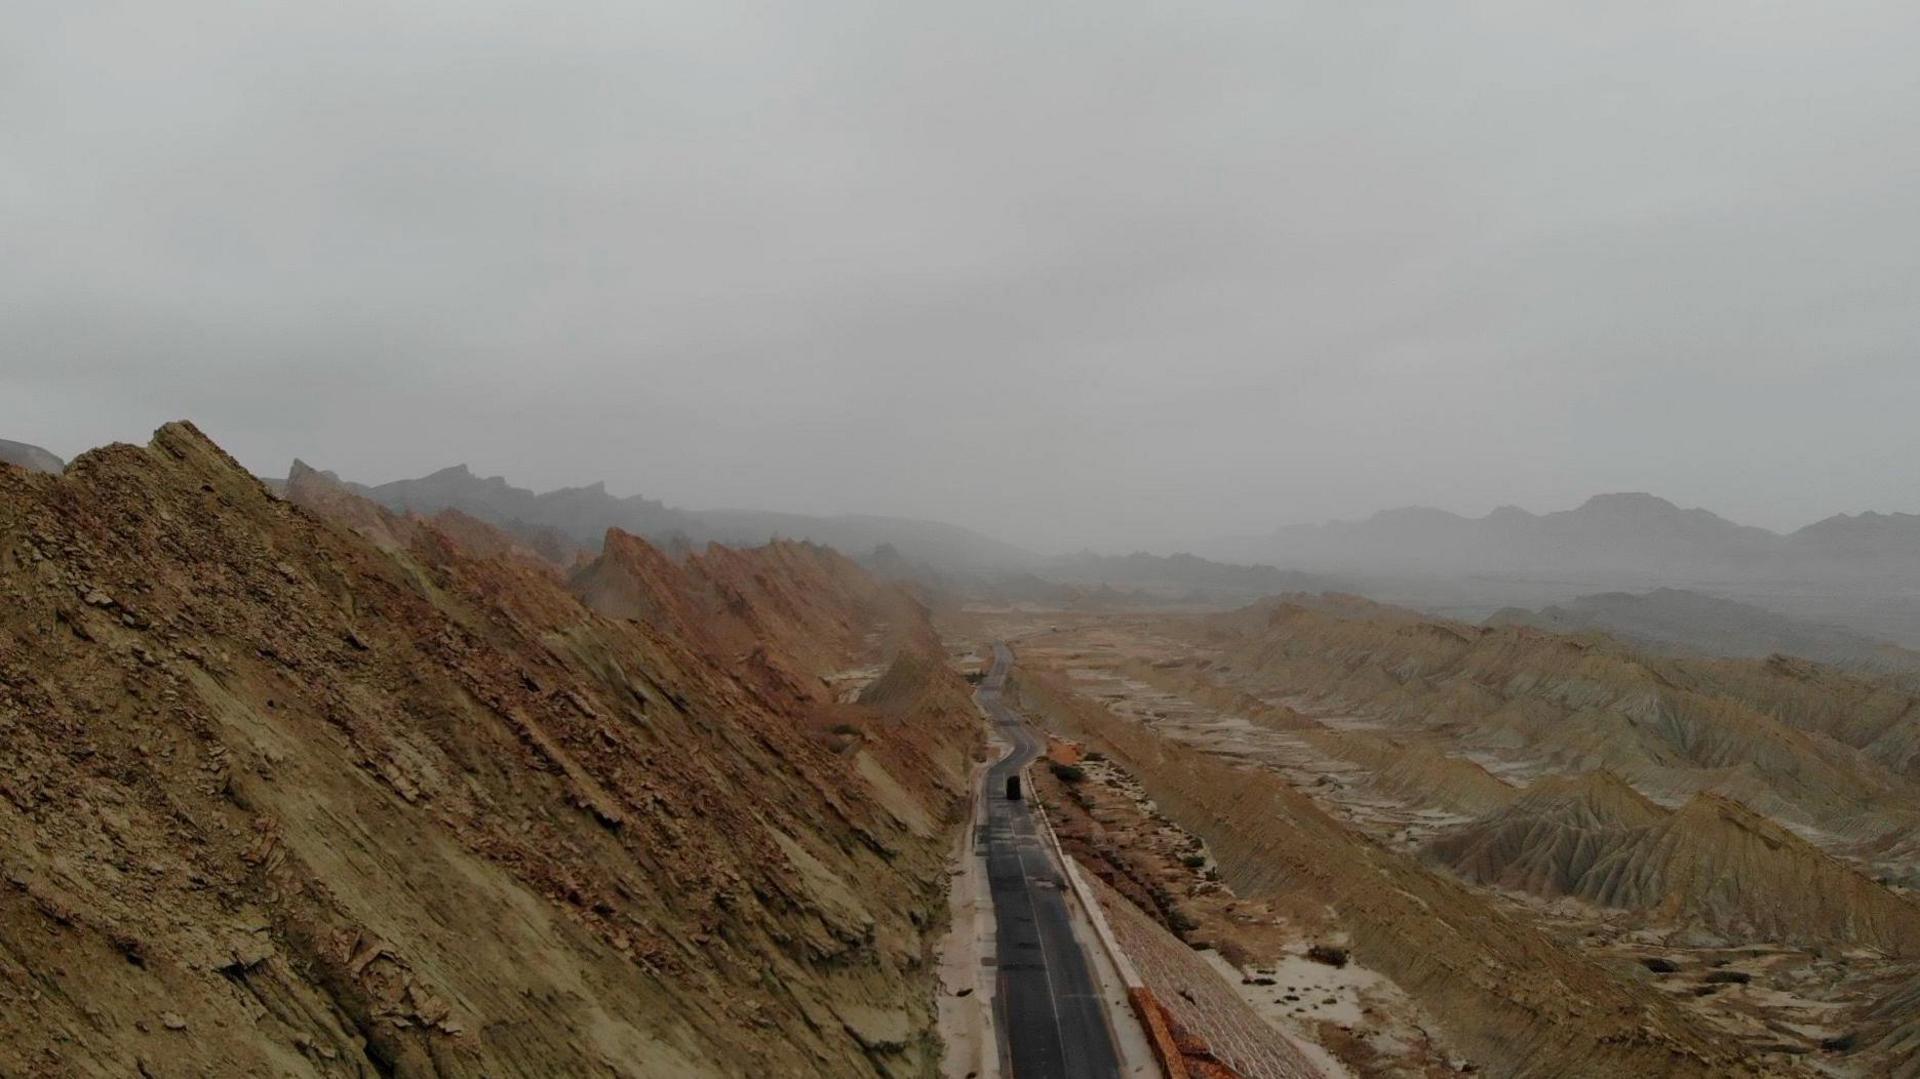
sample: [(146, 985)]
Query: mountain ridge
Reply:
[(584, 513), (1682, 620), (282, 799), (1619, 533)]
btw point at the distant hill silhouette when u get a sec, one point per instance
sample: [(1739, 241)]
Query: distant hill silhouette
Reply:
[(1678, 620), (1623, 534), (32, 458), (583, 514)]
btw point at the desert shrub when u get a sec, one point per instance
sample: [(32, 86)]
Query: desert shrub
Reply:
[(1067, 773), (1328, 954)]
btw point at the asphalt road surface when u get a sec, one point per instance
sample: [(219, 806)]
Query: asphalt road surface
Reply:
[(1048, 1011)]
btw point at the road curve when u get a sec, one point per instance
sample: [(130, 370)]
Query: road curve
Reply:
[(1047, 1007)]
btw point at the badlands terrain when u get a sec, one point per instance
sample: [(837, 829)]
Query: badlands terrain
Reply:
[(1532, 854), (296, 782)]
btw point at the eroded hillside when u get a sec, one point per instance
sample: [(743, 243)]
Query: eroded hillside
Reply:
[(1832, 754), (1508, 995), (341, 792), (1529, 853), (1713, 864)]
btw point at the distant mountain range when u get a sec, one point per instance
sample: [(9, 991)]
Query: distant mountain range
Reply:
[(1675, 620), (583, 515), (1636, 535), (1835, 570), (949, 558), (565, 524)]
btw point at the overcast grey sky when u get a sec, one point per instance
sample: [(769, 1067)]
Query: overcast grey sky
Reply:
[(1111, 273)]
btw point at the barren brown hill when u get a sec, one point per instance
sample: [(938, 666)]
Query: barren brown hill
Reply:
[(325, 495), (1829, 753), (1513, 998), (1712, 866), (805, 600), (1407, 771), (278, 801), (1685, 622)]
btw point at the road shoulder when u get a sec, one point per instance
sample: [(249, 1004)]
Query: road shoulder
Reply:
[(965, 970)]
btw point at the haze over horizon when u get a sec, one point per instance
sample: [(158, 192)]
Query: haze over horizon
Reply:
[(1099, 276), (686, 540)]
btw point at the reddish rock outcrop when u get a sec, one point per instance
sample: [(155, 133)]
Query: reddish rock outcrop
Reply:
[(324, 790)]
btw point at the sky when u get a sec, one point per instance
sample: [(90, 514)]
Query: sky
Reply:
[(1114, 275)]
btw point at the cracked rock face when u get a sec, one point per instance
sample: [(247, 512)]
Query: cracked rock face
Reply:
[(310, 787)]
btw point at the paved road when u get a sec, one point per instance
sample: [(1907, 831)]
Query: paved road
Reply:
[(1047, 1008)]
